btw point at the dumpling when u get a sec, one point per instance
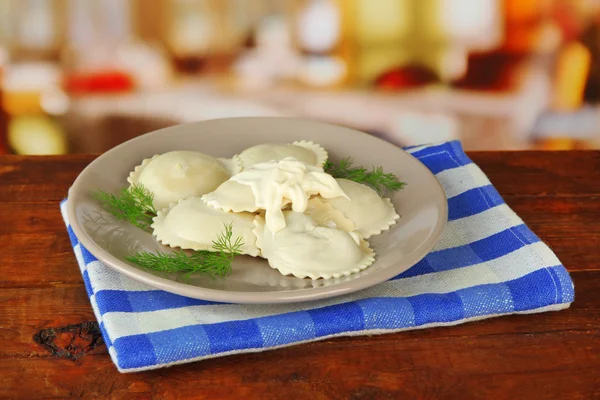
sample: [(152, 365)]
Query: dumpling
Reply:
[(177, 175), (325, 215), (232, 196), (191, 224), (275, 181), (308, 152), (230, 165), (305, 249), (370, 213)]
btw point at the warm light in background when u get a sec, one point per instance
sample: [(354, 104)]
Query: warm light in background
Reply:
[(85, 75)]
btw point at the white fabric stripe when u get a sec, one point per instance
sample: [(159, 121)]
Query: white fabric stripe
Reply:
[(105, 278), (95, 308), (458, 180), (418, 148), (115, 358), (79, 257), (553, 307), (509, 267), (63, 211), (470, 229)]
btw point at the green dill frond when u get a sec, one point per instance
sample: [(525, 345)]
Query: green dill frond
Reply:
[(134, 205), (376, 178), (214, 263)]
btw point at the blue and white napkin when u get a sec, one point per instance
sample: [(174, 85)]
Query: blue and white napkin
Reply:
[(487, 264)]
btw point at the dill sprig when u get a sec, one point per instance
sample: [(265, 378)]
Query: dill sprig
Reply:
[(376, 178), (215, 263), (133, 205)]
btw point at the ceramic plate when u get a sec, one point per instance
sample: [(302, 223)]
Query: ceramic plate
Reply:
[(422, 207)]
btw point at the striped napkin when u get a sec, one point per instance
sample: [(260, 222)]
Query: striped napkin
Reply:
[(487, 264)]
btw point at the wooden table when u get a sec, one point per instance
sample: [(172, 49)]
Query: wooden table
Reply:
[(551, 355)]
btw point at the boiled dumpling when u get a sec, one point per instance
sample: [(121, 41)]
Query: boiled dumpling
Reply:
[(370, 213), (325, 215), (230, 165), (305, 151), (305, 249), (191, 224), (177, 175)]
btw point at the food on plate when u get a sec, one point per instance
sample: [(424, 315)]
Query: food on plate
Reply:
[(370, 213), (177, 175), (191, 224), (303, 150), (287, 203), (275, 183), (306, 250)]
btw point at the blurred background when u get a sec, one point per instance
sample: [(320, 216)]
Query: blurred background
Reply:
[(81, 76)]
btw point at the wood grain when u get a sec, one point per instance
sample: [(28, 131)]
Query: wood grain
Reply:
[(543, 356)]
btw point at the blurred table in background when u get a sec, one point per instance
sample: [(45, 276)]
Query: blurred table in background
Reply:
[(96, 123)]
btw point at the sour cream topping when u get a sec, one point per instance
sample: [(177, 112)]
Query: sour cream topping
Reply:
[(273, 181)]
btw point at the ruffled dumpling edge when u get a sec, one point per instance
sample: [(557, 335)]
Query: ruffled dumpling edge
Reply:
[(162, 214), (134, 176), (216, 204), (390, 222), (346, 226), (320, 152), (231, 165)]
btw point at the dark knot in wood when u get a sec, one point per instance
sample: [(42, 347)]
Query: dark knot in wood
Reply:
[(71, 341)]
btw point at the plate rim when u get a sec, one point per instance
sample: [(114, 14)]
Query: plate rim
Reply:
[(241, 297)]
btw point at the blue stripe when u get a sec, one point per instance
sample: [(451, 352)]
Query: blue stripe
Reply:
[(105, 336), (442, 157), (473, 202), (150, 300), (420, 268), (286, 328), (87, 283), (532, 291), (490, 299), (437, 165), (430, 308), (566, 283), (233, 335), (344, 317), (87, 256), (387, 313), (556, 280), (135, 351), (74, 240), (186, 342), (487, 249), (444, 150)]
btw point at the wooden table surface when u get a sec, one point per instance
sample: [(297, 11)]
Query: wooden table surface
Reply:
[(49, 345)]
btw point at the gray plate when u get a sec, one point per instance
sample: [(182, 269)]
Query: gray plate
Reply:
[(422, 207)]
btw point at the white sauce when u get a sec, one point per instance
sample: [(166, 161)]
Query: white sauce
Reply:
[(274, 181)]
